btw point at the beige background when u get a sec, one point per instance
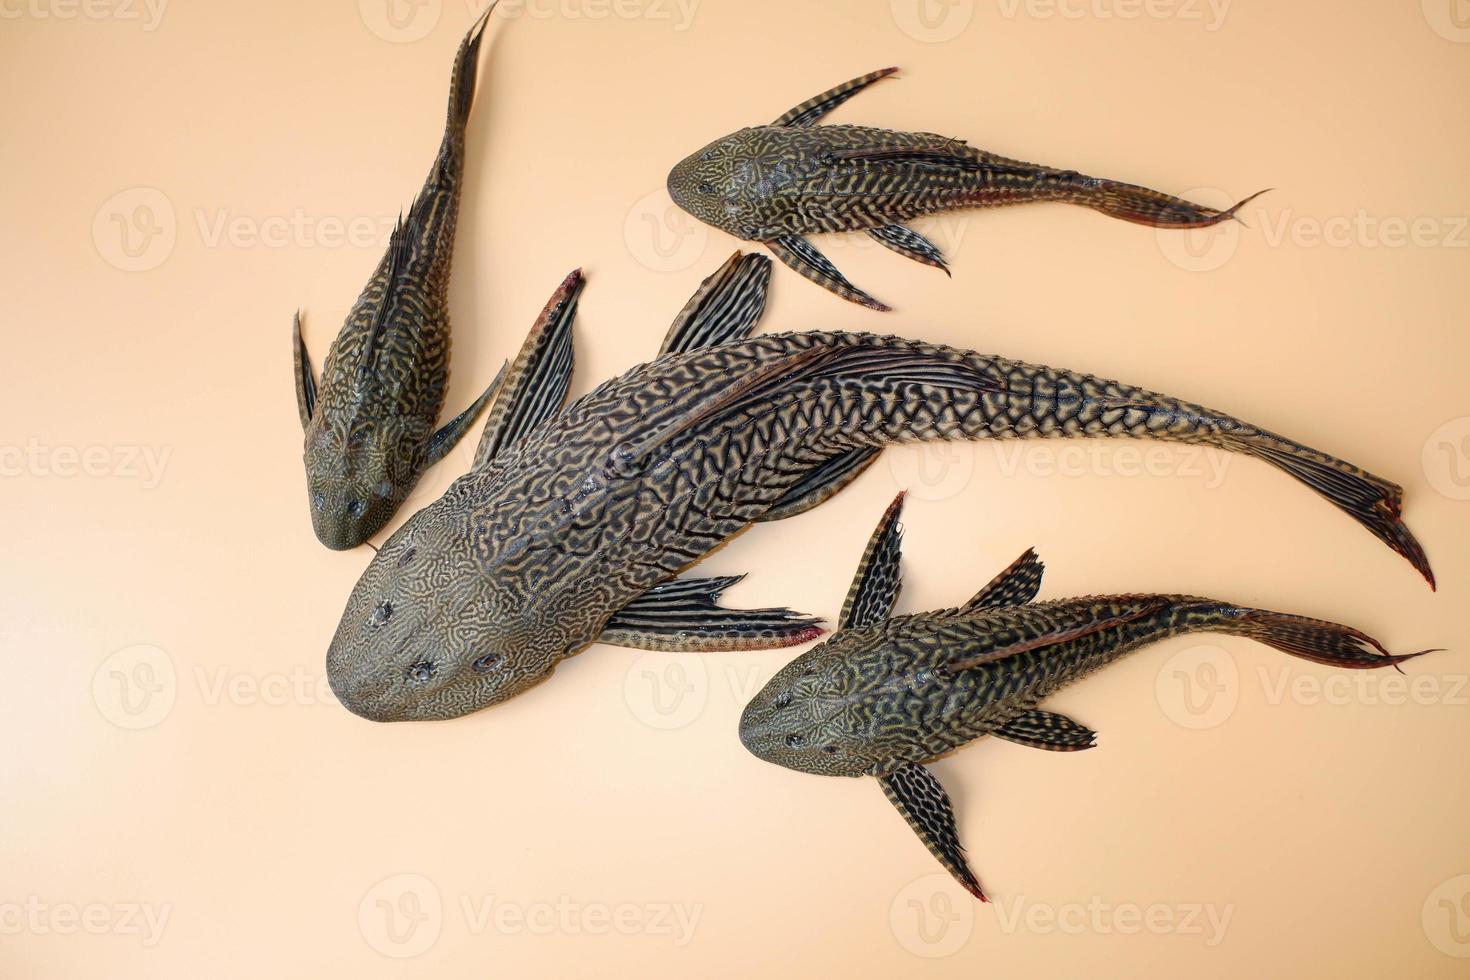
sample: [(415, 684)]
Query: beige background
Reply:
[(184, 798)]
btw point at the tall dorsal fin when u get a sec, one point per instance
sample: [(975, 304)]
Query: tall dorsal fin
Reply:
[(875, 585), (1015, 586), (818, 106)]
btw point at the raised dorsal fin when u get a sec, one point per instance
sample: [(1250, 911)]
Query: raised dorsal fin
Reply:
[(875, 585), (1015, 586), (818, 106)]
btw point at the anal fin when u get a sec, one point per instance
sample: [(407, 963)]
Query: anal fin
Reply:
[(1047, 730), (916, 794), (684, 615)]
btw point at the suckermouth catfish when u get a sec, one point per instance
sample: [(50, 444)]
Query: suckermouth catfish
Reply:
[(584, 519), (776, 184), (370, 424), (883, 695)]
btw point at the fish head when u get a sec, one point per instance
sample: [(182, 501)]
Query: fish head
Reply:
[(803, 719), (357, 475), (715, 186), (429, 633)]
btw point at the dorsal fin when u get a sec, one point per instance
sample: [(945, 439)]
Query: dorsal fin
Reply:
[(876, 583), (818, 106), (1015, 586), (395, 261), (1054, 637)]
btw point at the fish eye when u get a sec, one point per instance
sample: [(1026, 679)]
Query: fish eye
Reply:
[(705, 187), (793, 740), (486, 662), (355, 508), (421, 671), (830, 749), (407, 557), (704, 157), (318, 501), (782, 700), (384, 488), (380, 613)]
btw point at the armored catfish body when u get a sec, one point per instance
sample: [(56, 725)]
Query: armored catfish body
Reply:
[(886, 694), (525, 560)]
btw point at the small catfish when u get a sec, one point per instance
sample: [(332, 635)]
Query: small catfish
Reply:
[(884, 694), (776, 184), (577, 526), (370, 423)]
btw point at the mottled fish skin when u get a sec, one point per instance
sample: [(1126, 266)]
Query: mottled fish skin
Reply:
[(776, 183), (370, 424), (522, 561), (885, 694)]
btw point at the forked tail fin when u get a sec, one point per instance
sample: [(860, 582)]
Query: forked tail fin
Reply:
[(1143, 206), (1312, 639), (462, 83)]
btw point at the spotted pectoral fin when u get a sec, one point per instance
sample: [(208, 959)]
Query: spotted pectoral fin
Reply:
[(909, 243), (305, 375), (916, 794), (724, 308), (819, 105), (685, 615), (536, 385), (442, 442), (1056, 637), (800, 255), (1047, 730), (1015, 586), (822, 483), (875, 587)]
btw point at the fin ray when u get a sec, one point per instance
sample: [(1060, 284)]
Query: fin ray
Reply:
[(819, 105)]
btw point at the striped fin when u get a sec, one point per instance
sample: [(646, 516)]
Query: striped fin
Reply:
[(1047, 730), (462, 80), (910, 244), (822, 483), (685, 615), (916, 794), (819, 105), (800, 255), (724, 308), (450, 433), (875, 587), (1015, 586), (305, 374), (1055, 637), (536, 386)]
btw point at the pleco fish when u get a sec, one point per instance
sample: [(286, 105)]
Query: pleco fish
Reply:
[(370, 424), (574, 529), (883, 696), (776, 184)]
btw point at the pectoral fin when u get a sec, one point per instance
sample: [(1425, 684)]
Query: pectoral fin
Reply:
[(1015, 586), (537, 383), (916, 794), (909, 243), (800, 255), (441, 443), (1047, 730), (685, 615), (822, 483), (875, 587), (724, 308), (819, 105), (305, 375)]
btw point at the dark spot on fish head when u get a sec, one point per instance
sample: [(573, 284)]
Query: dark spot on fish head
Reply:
[(356, 482), (705, 186), (798, 719)]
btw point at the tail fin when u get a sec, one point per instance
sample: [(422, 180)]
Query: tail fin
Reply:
[(462, 81), (1155, 208), (1372, 501), (1314, 639)]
